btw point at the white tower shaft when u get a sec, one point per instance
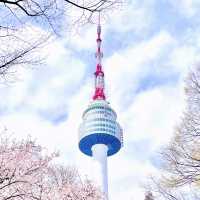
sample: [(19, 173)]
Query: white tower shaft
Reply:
[(99, 153)]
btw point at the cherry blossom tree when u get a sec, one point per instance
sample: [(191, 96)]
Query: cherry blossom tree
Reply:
[(27, 173), (22, 168)]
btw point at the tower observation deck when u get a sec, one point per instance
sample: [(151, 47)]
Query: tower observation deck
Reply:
[(100, 135)]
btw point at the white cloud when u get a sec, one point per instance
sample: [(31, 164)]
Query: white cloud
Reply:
[(82, 38), (136, 17), (184, 57), (46, 87), (188, 8), (128, 67), (153, 114)]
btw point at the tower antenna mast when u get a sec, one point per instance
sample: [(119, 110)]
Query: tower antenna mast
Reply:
[(99, 74)]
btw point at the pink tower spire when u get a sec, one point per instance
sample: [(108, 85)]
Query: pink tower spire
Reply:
[(99, 74)]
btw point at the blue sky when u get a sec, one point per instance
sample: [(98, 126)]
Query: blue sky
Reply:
[(148, 48)]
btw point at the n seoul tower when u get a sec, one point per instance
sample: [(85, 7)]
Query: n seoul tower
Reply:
[(100, 135)]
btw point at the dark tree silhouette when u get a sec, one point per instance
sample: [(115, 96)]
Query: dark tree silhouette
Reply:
[(181, 158), (149, 196), (18, 17)]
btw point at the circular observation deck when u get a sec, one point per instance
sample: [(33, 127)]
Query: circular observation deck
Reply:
[(99, 126)]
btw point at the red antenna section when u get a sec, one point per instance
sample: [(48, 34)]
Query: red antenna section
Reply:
[(99, 74)]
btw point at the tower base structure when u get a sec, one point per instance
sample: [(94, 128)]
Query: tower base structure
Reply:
[(99, 153)]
